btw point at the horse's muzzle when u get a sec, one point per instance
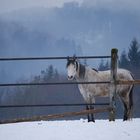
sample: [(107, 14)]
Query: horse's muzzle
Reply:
[(70, 77)]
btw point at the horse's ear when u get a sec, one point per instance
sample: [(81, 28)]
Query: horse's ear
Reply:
[(74, 57), (68, 58)]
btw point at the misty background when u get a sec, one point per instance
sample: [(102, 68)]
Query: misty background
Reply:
[(58, 28), (70, 29)]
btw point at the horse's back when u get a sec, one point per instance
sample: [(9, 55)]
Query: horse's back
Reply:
[(122, 74)]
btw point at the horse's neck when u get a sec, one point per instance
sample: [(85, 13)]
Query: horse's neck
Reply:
[(81, 72), (92, 74), (87, 74)]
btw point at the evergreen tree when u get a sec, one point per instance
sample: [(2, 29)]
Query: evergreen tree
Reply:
[(124, 62), (56, 74), (50, 72), (36, 79), (134, 53), (103, 65), (107, 65), (44, 75)]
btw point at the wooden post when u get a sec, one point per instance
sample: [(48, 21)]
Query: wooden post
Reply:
[(114, 56)]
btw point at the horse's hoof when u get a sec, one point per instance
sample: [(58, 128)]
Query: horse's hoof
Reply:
[(91, 121)]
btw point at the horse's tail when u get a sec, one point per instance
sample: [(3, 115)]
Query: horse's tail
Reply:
[(131, 101), (131, 98)]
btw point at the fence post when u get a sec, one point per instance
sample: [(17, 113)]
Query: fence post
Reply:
[(114, 57)]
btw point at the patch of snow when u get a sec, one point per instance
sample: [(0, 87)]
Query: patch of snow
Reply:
[(72, 130)]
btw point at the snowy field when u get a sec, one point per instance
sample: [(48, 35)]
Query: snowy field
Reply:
[(72, 130)]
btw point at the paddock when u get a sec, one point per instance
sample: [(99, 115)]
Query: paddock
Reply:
[(109, 107)]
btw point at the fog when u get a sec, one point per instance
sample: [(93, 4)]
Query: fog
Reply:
[(72, 28)]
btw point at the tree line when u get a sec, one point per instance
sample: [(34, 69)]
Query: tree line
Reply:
[(63, 93), (54, 94), (129, 59)]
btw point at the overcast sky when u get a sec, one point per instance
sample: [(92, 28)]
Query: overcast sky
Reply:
[(129, 5), (10, 5)]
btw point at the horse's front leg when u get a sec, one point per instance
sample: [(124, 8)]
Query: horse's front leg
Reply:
[(92, 100), (92, 114), (88, 115), (90, 107)]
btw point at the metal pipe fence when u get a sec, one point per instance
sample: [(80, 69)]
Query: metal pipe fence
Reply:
[(113, 83), (51, 83), (51, 105), (51, 58)]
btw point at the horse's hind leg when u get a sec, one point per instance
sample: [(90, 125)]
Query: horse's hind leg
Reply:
[(127, 110), (128, 104), (90, 116), (125, 117)]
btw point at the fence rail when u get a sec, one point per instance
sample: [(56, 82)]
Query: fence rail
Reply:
[(50, 58), (55, 116), (52, 83), (51, 105), (120, 82)]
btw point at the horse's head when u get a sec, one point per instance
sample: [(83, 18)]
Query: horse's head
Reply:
[(72, 66)]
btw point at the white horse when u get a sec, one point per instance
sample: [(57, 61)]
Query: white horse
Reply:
[(89, 91)]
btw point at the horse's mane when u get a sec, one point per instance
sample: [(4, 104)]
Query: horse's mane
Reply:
[(82, 70), (95, 69)]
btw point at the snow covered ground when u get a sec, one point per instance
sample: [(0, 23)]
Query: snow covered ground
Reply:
[(72, 130)]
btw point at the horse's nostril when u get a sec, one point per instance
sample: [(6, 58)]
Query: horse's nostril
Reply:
[(70, 77)]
